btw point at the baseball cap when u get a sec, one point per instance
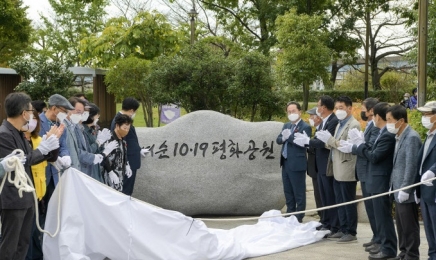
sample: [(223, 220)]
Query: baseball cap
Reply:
[(60, 101), (311, 111), (428, 107)]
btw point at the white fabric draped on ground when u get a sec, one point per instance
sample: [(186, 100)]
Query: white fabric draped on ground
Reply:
[(98, 222)]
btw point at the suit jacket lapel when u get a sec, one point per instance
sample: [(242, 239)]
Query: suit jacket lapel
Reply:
[(400, 142), (430, 147)]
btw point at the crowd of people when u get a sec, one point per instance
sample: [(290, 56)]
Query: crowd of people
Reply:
[(387, 155), (53, 138)]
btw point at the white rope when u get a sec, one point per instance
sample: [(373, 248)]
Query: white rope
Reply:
[(318, 209), (23, 182)]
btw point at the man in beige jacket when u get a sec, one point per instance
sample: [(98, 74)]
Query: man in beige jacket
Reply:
[(342, 167)]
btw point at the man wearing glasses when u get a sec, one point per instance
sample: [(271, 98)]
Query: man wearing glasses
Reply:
[(17, 212)]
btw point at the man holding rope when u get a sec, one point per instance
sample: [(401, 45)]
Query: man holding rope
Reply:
[(17, 210)]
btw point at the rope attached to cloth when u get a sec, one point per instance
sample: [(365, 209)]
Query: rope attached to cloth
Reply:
[(318, 209), (23, 182)]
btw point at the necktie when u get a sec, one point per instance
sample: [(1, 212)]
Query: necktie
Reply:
[(321, 126), (285, 147)]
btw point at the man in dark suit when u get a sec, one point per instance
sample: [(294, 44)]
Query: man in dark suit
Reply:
[(324, 110), (294, 161), (17, 213), (371, 132), (427, 170), (380, 157), (312, 171), (404, 173), (134, 151)]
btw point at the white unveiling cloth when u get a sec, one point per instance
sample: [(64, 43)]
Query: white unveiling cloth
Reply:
[(98, 222)]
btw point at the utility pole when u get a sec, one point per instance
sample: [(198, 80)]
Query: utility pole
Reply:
[(422, 51), (368, 30), (193, 14)]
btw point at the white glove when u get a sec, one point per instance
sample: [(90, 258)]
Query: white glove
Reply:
[(144, 152), (5, 162), (48, 144), (109, 147), (301, 139), (426, 176), (114, 178), (103, 136), (128, 171), (356, 137), (62, 162), (345, 146), (285, 134), (98, 158), (402, 196), (417, 200), (323, 135)]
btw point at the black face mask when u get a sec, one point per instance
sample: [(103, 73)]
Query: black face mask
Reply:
[(363, 116)]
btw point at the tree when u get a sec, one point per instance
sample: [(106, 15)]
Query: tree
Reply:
[(15, 30), (42, 78), (146, 36), (303, 56), (253, 86), (59, 36), (129, 77), (196, 78)]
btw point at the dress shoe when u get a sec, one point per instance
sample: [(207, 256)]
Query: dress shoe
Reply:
[(374, 249), (380, 256), (335, 236), (370, 243), (347, 239)]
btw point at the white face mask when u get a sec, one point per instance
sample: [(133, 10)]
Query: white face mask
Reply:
[(318, 113), (32, 125), (61, 116), (85, 116), (95, 121), (426, 122), (30, 116), (391, 128), (293, 117), (311, 122), (341, 114), (75, 118)]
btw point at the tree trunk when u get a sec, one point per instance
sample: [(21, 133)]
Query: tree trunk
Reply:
[(333, 75), (305, 96), (253, 112), (375, 76)]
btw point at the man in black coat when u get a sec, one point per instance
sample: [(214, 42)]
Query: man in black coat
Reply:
[(17, 213)]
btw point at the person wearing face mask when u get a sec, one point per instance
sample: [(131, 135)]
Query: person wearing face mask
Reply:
[(129, 107), (406, 100), (370, 134), (427, 170), (380, 156), (82, 156), (404, 173), (116, 167), (17, 213), (94, 138), (312, 171), (293, 160), (341, 166), (324, 110)]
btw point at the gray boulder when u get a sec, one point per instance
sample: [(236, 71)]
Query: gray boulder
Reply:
[(208, 163)]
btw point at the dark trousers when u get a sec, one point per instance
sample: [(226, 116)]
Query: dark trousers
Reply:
[(294, 186), (16, 231), (370, 212), (345, 191), (325, 185), (428, 211), (406, 218), (385, 224), (317, 195), (129, 183), (35, 245)]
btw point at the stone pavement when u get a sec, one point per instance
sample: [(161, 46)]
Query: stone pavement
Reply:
[(324, 249)]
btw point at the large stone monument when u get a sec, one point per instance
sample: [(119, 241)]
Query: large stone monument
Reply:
[(207, 163)]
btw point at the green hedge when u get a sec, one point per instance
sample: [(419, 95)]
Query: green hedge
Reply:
[(356, 96)]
